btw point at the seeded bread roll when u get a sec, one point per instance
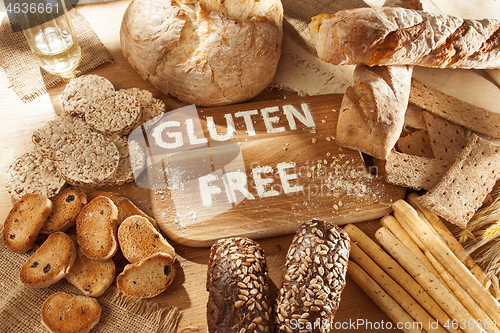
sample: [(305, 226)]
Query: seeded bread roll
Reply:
[(91, 277), (138, 239), (314, 277), (50, 262), (66, 313), (25, 219), (96, 228), (65, 209), (237, 282), (148, 277)]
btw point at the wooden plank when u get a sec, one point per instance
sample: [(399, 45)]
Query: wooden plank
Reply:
[(278, 168)]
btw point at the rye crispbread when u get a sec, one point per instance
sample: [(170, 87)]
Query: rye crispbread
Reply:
[(50, 262), (24, 221), (414, 171), (148, 277), (66, 206), (33, 173), (416, 143), (96, 228), (91, 277), (466, 184), (67, 313), (447, 139), (138, 239)]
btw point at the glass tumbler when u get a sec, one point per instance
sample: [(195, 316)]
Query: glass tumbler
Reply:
[(50, 34)]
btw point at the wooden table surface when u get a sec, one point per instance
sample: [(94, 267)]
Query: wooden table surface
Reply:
[(18, 120)]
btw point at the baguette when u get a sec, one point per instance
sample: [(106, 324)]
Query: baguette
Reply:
[(397, 36), (373, 109)]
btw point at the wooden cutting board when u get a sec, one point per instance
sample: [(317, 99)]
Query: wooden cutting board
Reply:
[(256, 170)]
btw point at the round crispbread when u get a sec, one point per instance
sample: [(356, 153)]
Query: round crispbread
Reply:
[(32, 173), (84, 93), (87, 161)]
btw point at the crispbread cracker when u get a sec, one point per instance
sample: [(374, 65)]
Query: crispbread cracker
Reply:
[(125, 173), (459, 112), (87, 161), (464, 187), (414, 171), (84, 93), (150, 106), (447, 139), (33, 173), (416, 143), (53, 135), (116, 115)]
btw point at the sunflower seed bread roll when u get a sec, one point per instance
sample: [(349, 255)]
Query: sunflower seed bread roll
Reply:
[(398, 36), (314, 277), (237, 284)]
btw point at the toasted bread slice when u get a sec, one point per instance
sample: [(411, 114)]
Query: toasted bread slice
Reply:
[(96, 229), (138, 239), (91, 277), (50, 262), (148, 277), (92, 194), (66, 313), (24, 222), (66, 206), (126, 208)]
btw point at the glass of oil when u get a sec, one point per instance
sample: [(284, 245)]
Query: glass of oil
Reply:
[(50, 34)]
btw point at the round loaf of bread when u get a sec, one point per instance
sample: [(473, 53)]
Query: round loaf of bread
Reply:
[(204, 52)]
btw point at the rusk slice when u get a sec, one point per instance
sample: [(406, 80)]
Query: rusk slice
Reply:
[(53, 135), (138, 239), (92, 194), (84, 93), (66, 206), (33, 173), (464, 187), (116, 115), (66, 313), (90, 276), (24, 222), (88, 161), (148, 277), (126, 208), (50, 262), (96, 229)]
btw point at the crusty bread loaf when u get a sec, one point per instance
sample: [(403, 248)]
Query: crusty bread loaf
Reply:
[(372, 112), (66, 313), (96, 227), (138, 239), (148, 277), (314, 276), (204, 52), (126, 208), (397, 36), (237, 282), (25, 219), (91, 277), (50, 262), (66, 206)]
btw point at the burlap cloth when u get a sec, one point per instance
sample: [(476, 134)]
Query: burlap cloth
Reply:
[(20, 306), (21, 68)]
